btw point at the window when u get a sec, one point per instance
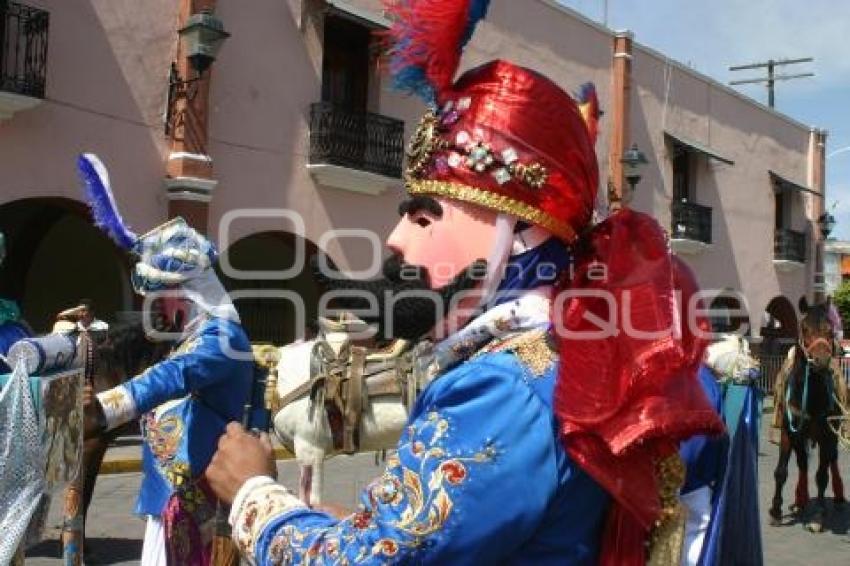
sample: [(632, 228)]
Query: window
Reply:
[(682, 176), (345, 66), (783, 208)]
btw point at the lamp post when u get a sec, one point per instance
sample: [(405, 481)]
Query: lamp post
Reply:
[(633, 161)]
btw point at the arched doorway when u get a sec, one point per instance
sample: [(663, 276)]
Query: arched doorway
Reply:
[(729, 313), (779, 329), (55, 257), (269, 306)]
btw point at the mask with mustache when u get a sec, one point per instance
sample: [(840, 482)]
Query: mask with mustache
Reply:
[(401, 303)]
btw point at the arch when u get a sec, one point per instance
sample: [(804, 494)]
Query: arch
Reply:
[(729, 313), (780, 327), (266, 317), (55, 257)]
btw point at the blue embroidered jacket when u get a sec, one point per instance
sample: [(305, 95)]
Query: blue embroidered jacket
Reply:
[(480, 477), (185, 402)]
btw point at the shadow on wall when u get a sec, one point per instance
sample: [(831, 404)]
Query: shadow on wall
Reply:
[(56, 257)]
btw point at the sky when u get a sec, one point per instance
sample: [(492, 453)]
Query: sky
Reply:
[(712, 36)]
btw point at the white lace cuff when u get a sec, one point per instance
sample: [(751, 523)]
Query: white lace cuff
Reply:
[(118, 406), (258, 501)]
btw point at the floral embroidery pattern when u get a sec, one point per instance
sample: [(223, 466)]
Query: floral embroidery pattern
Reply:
[(259, 508), (414, 499), (163, 436)]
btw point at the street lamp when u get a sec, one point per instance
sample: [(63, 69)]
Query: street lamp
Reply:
[(202, 38), (826, 222), (633, 160)]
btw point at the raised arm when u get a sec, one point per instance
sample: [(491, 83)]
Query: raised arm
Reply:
[(198, 363)]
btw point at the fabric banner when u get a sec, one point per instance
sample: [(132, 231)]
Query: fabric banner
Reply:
[(22, 479)]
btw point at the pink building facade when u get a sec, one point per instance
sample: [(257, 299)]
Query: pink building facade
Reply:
[(297, 146)]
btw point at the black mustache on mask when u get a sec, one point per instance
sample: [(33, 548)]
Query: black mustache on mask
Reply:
[(407, 307)]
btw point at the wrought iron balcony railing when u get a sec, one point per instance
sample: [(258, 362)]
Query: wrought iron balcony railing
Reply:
[(23, 49), (356, 140), (691, 222), (789, 245)]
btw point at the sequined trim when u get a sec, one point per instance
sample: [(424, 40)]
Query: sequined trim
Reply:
[(118, 406), (534, 349), (493, 201), (668, 535)]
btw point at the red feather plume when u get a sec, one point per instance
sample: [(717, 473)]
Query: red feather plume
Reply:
[(428, 38)]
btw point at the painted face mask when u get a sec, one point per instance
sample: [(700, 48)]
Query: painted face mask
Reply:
[(441, 247)]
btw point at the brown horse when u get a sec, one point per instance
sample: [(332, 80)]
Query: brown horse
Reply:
[(808, 392)]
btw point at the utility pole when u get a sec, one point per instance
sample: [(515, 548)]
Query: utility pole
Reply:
[(772, 77)]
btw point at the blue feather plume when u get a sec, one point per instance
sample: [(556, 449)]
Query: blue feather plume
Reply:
[(99, 196)]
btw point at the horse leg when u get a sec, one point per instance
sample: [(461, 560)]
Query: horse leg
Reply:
[(837, 483), (801, 494), (318, 481), (305, 483), (780, 474), (821, 480), (94, 450)]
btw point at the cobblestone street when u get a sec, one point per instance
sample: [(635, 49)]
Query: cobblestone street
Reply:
[(115, 535)]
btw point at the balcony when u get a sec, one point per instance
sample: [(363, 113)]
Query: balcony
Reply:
[(355, 151), (23, 57), (690, 227), (789, 250)]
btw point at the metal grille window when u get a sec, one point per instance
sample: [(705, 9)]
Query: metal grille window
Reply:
[(790, 246), (691, 222), (357, 140), (23, 49)]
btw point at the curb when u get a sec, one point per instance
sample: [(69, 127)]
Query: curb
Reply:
[(131, 465)]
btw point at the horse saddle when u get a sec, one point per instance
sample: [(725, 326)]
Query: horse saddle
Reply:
[(344, 376)]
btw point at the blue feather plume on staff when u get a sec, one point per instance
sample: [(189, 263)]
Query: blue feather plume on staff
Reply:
[(99, 196)]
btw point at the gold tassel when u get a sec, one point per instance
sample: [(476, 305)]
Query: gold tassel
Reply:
[(267, 357)]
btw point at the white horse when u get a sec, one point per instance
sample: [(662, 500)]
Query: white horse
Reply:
[(302, 425), (730, 359)]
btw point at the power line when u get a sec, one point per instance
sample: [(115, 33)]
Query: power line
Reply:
[(772, 77)]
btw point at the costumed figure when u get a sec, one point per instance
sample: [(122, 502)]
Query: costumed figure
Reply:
[(185, 401), (548, 434), (12, 326)]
